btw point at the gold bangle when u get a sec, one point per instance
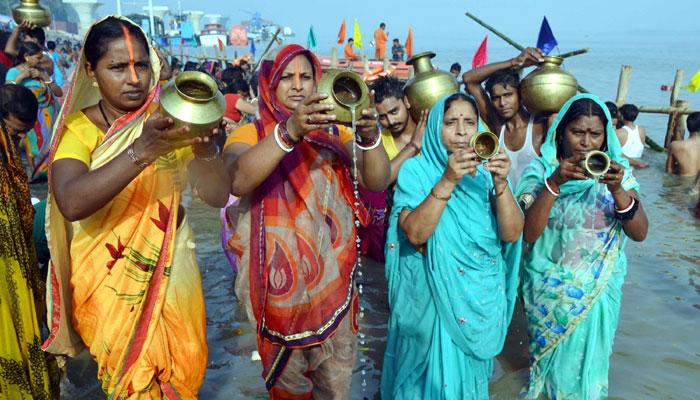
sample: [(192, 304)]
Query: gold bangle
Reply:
[(433, 194)]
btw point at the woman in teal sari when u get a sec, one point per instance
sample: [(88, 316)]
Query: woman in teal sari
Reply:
[(577, 228), (453, 248)]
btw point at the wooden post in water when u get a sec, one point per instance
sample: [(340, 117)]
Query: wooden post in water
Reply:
[(676, 125), (673, 118), (623, 85), (365, 63), (334, 57), (385, 66)]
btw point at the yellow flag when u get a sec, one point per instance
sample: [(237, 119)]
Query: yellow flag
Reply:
[(357, 36), (694, 83)]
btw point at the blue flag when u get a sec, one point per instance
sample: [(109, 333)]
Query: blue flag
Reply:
[(546, 41), (252, 47)]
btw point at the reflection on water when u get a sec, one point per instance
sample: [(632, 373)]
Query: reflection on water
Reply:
[(657, 350)]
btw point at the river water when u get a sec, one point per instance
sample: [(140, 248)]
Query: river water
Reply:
[(657, 347)]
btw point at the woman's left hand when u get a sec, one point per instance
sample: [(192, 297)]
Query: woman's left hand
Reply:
[(613, 178), (207, 147), (367, 125), (499, 167)]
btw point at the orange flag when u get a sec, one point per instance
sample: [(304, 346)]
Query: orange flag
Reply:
[(409, 43), (341, 33)]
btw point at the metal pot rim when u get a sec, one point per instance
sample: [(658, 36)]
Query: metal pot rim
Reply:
[(205, 79), (355, 77)]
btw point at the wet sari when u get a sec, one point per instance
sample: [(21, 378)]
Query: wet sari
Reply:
[(295, 236), (450, 308), (24, 369), (572, 278), (124, 281)]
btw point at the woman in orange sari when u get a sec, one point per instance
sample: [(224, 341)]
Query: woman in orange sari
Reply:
[(296, 231), (123, 277)]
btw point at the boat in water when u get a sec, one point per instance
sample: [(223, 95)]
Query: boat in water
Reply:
[(370, 70), (212, 35)]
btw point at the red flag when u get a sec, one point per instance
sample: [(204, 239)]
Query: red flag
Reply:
[(408, 46), (182, 42), (480, 55), (341, 33), (221, 44)]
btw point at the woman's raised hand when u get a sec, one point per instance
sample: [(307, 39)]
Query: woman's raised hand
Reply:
[(569, 169), (160, 138), (460, 163), (499, 167), (309, 116)]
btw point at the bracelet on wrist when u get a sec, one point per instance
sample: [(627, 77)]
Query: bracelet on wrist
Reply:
[(496, 195), (367, 144), (627, 213), (132, 155), (286, 136), (434, 195), (549, 188), (286, 147)]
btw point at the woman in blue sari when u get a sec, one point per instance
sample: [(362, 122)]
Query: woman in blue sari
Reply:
[(453, 248), (574, 270)]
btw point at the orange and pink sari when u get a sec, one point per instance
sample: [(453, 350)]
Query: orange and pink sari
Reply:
[(124, 281)]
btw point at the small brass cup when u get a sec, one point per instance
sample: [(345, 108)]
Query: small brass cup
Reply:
[(485, 144), (596, 163), (346, 90)]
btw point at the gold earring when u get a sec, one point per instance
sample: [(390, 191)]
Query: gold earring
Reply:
[(94, 84)]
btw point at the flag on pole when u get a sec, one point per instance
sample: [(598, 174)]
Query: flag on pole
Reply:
[(480, 57), (221, 44), (546, 40), (311, 38), (341, 33), (694, 84), (357, 35), (252, 47), (408, 46)]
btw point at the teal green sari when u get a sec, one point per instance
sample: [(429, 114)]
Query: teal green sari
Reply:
[(573, 275), (451, 307)]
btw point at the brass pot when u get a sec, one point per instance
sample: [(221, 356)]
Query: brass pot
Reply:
[(427, 85), (31, 11), (596, 163), (346, 90), (485, 144), (548, 87), (193, 99)]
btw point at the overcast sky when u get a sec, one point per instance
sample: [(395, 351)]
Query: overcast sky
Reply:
[(439, 19)]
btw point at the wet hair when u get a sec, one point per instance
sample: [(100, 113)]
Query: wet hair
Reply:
[(106, 31), (456, 66), (38, 34), (693, 122), (51, 45), (19, 101), (385, 87), (459, 96), (237, 86), (504, 77), (612, 107), (580, 108), (190, 66), (27, 49), (629, 112)]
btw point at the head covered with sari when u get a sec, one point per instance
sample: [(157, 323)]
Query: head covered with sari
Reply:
[(462, 290), (301, 255), (110, 271), (577, 262)]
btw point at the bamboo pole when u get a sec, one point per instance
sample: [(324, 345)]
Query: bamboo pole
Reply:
[(574, 53), (673, 102), (274, 37), (623, 85), (666, 110), (334, 57), (676, 126)]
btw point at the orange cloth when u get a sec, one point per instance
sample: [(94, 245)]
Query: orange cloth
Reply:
[(350, 53), (380, 39), (247, 134)]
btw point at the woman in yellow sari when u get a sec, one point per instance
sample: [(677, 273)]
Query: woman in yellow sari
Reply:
[(123, 277)]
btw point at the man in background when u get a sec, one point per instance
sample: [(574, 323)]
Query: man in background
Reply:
[(632, 136), (397, 51), (348, 51), (684, 155), (380, 39)]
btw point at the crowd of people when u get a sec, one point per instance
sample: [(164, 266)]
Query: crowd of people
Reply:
[(304, 200)]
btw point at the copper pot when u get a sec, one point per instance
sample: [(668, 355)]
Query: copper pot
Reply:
[(548, 87), (193, 99), (32, 12), (346, 90), (485, 144), (427, 85), (596, 163)]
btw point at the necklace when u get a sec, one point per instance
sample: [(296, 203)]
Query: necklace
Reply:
[(104, 115)]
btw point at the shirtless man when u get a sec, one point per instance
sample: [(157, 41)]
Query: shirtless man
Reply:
[(503, 111), (632, 136), (684, 155)]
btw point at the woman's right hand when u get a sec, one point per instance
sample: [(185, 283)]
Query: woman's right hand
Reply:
[(569, 169), (159, 138), (311, 115), (460, 163)]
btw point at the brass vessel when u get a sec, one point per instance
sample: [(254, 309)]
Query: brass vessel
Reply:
[(596, 163), (193, 99), (346, 90), (548, 87), (427, 85), (31, 11), (485, 144)]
